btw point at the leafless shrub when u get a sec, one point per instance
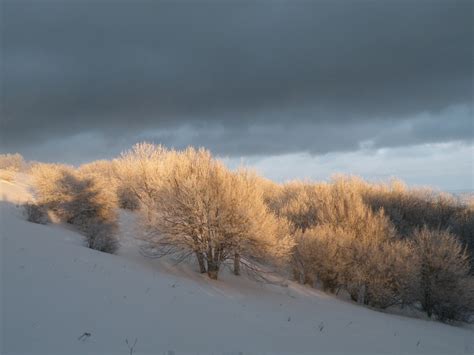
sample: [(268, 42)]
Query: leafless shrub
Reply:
[(35, 213), (392, 274), (101, 236)]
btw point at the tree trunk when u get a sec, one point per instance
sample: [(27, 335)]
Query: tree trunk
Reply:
[(237, 264), (365, 295), (296, 275), (202, 264), (427, 304)]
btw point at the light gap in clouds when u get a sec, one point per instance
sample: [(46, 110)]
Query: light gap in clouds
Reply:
[(446, 166)]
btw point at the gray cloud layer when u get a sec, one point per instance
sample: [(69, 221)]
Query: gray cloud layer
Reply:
[(246, 77)]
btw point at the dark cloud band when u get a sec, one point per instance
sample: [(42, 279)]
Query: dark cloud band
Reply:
[(237, 76)]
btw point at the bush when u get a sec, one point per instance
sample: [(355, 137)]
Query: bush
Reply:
[(35, 213), (46, 180), (445, 289), (392, 274), (12, 162), (81, 199), (101, 236)]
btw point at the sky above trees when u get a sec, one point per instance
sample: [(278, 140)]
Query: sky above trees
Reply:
[(297, 89)]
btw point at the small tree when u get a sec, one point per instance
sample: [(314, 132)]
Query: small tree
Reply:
[(391, 274), (445, 288)]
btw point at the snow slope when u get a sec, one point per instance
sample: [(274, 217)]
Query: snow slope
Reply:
[(54, 290)]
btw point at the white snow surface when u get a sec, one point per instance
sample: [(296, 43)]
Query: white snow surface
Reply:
[(53, 290)]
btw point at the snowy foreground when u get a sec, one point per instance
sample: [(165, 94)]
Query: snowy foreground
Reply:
[(54, 291)]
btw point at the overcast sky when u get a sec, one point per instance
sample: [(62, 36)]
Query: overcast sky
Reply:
[(297, 89)]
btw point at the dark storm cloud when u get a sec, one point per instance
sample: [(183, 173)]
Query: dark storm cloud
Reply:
[(240, 77)]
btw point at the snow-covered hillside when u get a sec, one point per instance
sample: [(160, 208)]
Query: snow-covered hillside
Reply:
[(59, 297)]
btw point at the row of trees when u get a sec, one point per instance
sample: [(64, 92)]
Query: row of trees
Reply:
[(382, 244)]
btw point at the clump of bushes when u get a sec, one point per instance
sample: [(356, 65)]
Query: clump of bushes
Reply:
[(345, 241), (79, 198), (351, 248)]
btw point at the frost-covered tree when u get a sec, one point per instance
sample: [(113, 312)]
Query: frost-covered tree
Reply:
[(141, 171), (257, 233), (391, 274), (191, 204), (446, 289)]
